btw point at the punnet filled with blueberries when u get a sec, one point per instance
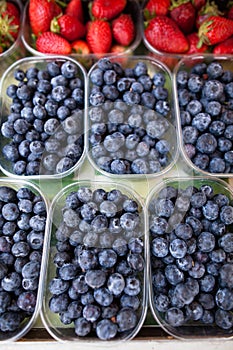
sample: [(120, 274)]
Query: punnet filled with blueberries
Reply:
[(42, 117), (191, 257), (23, 218), (204, 92), (95, 286), (131, 123)]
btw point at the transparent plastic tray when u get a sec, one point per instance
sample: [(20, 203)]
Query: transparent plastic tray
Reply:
[(29, 321)]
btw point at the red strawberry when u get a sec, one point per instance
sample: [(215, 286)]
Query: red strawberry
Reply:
[(156, 7), (57, 11), (214, 30), (225, 47), (9, 24), (68, 26), (41, 12), (184, 14), (99, 36), (107, 9), (123, 29), (117, 49), (198, 3), (52, 43), (80, 47), (75, 8), (8, 8), (230, 13), (193, 40), (164, 34), (208, 10)]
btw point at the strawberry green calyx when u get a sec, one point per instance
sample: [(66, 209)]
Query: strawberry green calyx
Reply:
[(211, 9), (54, 25), (148, 15), (203, 30), (6, 28), (177, 3)]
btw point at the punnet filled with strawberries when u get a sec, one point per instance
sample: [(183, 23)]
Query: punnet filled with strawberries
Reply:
[(188, 26), (9, 24), (81, 27)]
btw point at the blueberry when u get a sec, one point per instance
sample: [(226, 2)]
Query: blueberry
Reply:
[(213, 90), (91, 312), (82, 327), (103, 296), (190, 134), (194, 107), (95, 278), (226, 214), (178, 248), (223, 319), (126, 319), (10, 321), (107, 258), (159, 247), (132, 286), (174, 316), (106, 329), (206, 242)]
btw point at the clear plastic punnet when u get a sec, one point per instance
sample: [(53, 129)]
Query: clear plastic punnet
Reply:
[(189, 225), (22, 267), (128, 120), (204, 113), (106, 286), (132, 8), (42, 133)]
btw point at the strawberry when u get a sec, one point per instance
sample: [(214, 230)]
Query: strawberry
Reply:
[(57, 11), (117, 49), (53, 43), (156, 7), (10, 9), (41, 12), (225, 47), (214, 30), (184, 14), (68, 26), (209, 9), (80, 47), (107, 9), (198, 3), (164, 34), (123, 29), (9, 24), (230, 13), (75, 8), (193, 40), (99, 36)]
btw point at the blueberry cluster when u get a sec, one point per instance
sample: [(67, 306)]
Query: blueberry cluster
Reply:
[(99, 264), (191, 244), (44, 128), (22, 223), (205, 97), (127, 117)]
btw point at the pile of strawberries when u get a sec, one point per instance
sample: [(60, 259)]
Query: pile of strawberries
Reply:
[(9, 24), (189, 26), (100, 28)]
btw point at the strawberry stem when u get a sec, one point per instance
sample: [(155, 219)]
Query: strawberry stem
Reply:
[(6, 28), (177, 3), (61, 3), (203, 30), (54, 25)]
